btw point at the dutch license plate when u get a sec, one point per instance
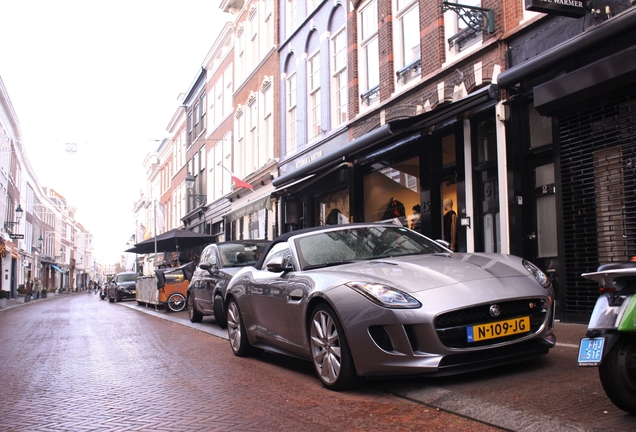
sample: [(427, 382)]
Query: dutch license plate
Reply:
[(591, 351), (498, 329)]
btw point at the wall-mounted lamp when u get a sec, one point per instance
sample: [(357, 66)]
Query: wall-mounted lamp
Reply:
[(18, 216), (189, 181), (61, 253)]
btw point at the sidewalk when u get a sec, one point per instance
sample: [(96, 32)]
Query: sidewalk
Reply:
[(19, 301)]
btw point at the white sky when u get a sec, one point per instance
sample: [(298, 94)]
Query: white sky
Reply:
[(106, 75)]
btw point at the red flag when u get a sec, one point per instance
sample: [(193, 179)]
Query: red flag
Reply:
[(238, 182), (241, 184)]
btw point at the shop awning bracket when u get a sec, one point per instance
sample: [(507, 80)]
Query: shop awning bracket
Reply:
[(481, 20)]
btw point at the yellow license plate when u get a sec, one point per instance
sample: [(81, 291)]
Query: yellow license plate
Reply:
[(134, 292), (498, 329)]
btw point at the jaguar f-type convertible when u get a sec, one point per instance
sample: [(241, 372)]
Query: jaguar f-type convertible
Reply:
[(365, 300)]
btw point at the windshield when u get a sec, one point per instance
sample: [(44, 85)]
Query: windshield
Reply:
[(239, 255), (127, 277), (346, 245)]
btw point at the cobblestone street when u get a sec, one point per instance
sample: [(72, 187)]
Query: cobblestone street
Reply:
[(77, 363)]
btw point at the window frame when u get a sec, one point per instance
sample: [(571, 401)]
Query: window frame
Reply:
[(340, 91), (291, 115), (314, 127), (368, 37), (406, 71)]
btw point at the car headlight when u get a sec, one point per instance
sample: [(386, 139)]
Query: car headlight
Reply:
[(535, 271), (385, 295)]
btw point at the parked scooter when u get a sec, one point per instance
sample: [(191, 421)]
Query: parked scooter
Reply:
[(610, 341)]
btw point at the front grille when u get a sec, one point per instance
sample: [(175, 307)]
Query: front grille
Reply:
[(451, 326)]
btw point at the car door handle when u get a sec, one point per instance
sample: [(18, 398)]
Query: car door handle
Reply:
[(296, 295)]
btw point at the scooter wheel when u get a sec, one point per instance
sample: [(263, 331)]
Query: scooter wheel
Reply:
[(618, 374)]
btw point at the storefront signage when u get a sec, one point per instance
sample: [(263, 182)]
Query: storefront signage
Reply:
[(568, 8), (16, 236), (309, 158), (261, 203)]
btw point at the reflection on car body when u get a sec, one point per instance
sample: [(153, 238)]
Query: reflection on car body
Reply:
[(218, 263), (380, 299)]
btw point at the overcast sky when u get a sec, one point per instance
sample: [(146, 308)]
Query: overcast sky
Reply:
[(107, 76)]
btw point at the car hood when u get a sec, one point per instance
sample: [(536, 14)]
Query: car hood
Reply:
[(425, 272), (125, 285)]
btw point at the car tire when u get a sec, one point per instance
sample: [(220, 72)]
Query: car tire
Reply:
[(219, 312), (330, 352), (194, 315), (111, 300), (237, 336), (618, 374), (176, 302)]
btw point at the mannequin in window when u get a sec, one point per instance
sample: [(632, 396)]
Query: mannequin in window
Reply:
[(450, 224), (395, 210), (416, 219), (333, 217)]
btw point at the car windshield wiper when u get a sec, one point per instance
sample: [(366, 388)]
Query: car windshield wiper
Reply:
[(330, 264)]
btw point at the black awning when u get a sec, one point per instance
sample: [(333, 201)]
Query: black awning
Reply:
[(598, 78), (393, 129)]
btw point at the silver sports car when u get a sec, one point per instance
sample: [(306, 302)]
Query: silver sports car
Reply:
[(363, 300)]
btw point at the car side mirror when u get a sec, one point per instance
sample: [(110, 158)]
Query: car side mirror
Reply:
[(209, 267), (279, 264)]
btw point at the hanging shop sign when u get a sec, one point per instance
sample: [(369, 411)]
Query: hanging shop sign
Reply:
[(568, 8)]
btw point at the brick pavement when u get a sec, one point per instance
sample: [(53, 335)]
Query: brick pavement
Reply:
[(547, 394), (77, 363)]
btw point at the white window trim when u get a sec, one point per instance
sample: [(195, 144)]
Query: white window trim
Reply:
[(336, 108), (314, 119), (362, 61), (398, 49), (291, 133), (450, 29)]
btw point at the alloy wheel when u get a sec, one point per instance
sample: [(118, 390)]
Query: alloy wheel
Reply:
[(325, 347), (234, 326)]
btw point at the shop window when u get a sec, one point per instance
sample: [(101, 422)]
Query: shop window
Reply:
[(333, 209), (547, 235), (217, 228), (258, 224), (487, 183), (392, 194)]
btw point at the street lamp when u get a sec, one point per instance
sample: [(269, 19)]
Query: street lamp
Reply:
[(18, 217), (189, 181), (61, 253)]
